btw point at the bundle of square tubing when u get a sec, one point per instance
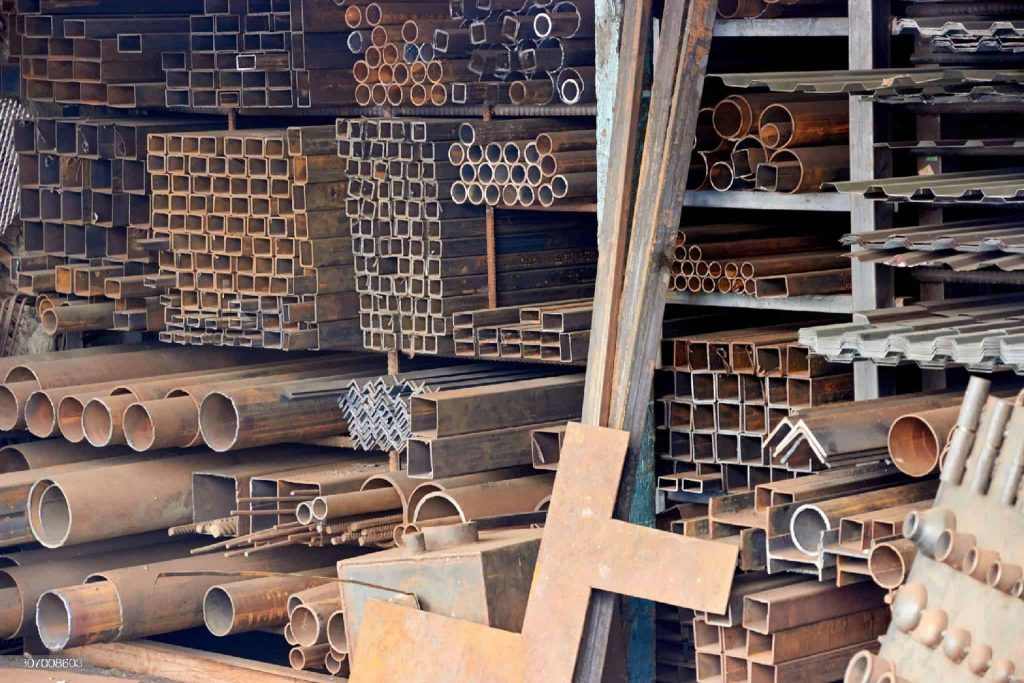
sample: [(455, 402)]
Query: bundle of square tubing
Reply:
[(85, 209), (99, 53), (775, 142), (466, 52), (498, 170), (253, 251), (758, 260), (558, 331), (419, 257)]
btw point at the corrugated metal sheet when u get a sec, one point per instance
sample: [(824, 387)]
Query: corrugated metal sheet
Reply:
[(991, 187), (873, 81)]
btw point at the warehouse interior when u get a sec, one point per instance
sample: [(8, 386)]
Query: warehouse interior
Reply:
[(512, 341)]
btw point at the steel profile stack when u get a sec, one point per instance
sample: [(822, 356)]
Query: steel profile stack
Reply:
[(557, 167), (466, 52), (237, 55), (789, 143), (420, 257), (558, 331), (764, 261), (85, 208), (99, 54), (253, 239)]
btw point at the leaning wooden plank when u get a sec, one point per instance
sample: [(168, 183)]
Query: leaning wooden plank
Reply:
[(668, 144), (186, 665), (618, 205)]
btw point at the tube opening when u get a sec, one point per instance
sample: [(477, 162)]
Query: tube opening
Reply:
[(97, 423), (53, 618), (218, 611), (139, 430), (219, 422)]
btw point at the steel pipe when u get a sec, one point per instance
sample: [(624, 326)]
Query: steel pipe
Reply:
[(255, 604)]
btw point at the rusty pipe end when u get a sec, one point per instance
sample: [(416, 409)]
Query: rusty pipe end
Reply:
[(806, 527), (304, 513), (218, 611), (914, 446), (318, 509), (40, 415), (865, 667), (337, 636), (98, 423), (139, 427), (79, 615), (306, 626), (49, 322), (49, 513), (69, 418), (219, 421), (889, 563)]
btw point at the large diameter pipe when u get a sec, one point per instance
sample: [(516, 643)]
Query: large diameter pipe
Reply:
[(916, 440), (486, 500), (35, 578), (64, 319), (9, 363), (77, 507), (35, 455), (143, 600), (254, 604), (446, 483), (42, 417)]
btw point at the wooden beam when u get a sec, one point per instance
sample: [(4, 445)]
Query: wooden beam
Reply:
[(183, 664), (625, 378)]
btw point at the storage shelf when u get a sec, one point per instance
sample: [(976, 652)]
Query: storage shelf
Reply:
[(802, 27), (833, 303), (771, 201)]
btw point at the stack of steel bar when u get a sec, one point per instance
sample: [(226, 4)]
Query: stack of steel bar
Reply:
[(770, 9), (419, 257), (969, 560), (253, 247), (966, 245), (720, 393), (100, 53), (674, 654), (377, 410), (85, 207), (982, 333), (235, 55), (993, 186), (524, 162), (785, 628), (758, 260), (786, 143), (321, 60), (557, 331), (525, 53)]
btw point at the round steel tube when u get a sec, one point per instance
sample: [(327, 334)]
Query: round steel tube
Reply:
[(446, 483), (165, 423), (357, 503), (41, 407), (76, 507), (866, 667), (337, 635), (13, 399), (309, 620), (315, 594), (130, 603), (308, 658), (804, 124), (254, 604), (486, 499), (335, 662), (65, 319), (806, 168), (438, 95), (39, 454), (527, 196), (916, 440), (889, 562)]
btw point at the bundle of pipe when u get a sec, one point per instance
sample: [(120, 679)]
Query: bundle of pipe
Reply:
[(764, 261), (775, 142), (557, 331), (157, 597), (525, 53), (316, 630), (377, 410), (770, 9), (410, 286), (84, 195), (94, 54), (718, 394), (260, 603), (497, 169), (816, 438), (253, 253), (475, 429), (237, 55), (787, 628)]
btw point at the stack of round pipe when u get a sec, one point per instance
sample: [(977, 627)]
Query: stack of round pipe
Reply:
[(309, 619), (255, 604), (547, 163)]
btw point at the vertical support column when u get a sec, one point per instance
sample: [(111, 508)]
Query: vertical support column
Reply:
[(868, 49), (607, 34)]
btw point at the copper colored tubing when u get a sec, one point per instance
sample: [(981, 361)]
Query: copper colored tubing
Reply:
[(363, 95), (386, 74), (308, 658), (693, 284), (889, 562), (916, 440), (725, 285), (418, 72), (736, 116), (568, 162), (362, 72), (707, 285), (438, 95), (354, 17), (448, 71), (803, 124), (541, 91), (748, 287), (721, 176), (253, 604), (395, 94), (715, 269)]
